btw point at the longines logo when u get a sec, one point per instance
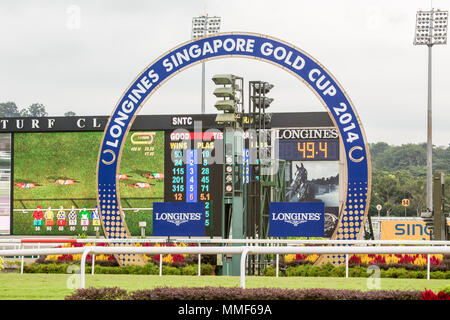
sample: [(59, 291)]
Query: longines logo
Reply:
[(295, 218), (178, 218), (324, 133)]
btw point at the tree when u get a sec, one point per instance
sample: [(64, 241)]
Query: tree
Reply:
[(8, 110), (35, 110), (386, 191), (377, 149), (70, 114), (417, 194)]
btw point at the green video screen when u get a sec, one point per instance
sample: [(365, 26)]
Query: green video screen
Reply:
[(57, 171)]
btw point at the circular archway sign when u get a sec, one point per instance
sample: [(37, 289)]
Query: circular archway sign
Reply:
[(242, 45)]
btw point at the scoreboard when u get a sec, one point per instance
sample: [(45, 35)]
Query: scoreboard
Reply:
[(193, 174), (166, 158)]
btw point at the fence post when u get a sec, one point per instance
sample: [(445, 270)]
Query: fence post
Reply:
[(243, 258), (21, 263), (199, 261), (160, 265), (278, 262), (428, 266), (93, 263), (346, 265), (83, 266)]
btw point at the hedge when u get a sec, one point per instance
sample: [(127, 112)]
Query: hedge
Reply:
[(328, 270), (226, 293), (149, 268), (443, 266), (305, 270)]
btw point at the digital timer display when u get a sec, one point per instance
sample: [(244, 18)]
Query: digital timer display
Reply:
[(304, 150)]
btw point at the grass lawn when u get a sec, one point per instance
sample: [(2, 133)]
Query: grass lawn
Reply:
[(55, 286)]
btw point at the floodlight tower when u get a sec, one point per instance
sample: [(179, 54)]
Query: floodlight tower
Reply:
[(204, 26), (431, 29), (234, 194)]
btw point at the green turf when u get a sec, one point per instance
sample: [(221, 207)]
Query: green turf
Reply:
[(44, 157), (55, 286)]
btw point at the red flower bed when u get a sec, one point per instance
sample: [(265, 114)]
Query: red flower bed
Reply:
[(430, 295)]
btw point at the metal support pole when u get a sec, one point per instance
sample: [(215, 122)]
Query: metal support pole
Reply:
[(428, 266), (160, 265), (429, 140)]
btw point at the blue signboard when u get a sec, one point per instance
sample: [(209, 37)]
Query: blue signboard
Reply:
[(296, 219), (179, 219)]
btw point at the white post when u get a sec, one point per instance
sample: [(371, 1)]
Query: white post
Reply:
[(93, 263), (160, 265), (199, 262), (428, 266), (83, 267), (346, 265), (39, 246), (243, 258), (278, 261), (21, 263)]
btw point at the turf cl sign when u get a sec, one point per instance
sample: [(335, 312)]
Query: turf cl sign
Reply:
[(244, 45)]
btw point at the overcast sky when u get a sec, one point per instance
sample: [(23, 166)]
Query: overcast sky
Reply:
[(81, 55)]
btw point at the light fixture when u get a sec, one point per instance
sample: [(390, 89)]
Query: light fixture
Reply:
[(204, 26), (431, 29)]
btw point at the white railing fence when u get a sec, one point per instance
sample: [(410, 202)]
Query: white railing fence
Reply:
[(18, 243), (244, 251)]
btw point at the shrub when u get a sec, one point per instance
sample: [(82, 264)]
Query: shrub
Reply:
[(168, 270), (222, 293), (189, 270), (46, 268), (437, 275), (1, 263), (206, 269), (110, 263), (328, 270), (149, 268), (446, 290), (98, 294), (271, 272), (358, 271)]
